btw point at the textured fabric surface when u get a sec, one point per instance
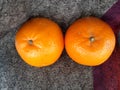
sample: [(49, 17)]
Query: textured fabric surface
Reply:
[(107, 75), (64, 74)]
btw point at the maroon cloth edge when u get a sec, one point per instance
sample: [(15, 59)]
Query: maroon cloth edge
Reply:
[(107, 75)]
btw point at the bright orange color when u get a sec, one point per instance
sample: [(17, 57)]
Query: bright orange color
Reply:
[(89, 41), (39, 42)]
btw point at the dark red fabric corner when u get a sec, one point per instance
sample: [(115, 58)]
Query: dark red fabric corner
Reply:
[(107, 75)]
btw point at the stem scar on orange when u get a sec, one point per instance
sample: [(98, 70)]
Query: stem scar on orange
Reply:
[(39, 42), (89, 41)]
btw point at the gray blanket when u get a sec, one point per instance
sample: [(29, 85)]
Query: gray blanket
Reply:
[(65, 74)]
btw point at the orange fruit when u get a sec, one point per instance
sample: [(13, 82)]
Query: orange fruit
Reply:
[(89, 41), (39, 42)]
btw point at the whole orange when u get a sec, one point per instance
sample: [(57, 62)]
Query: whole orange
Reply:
[(89, 41), (39, 42)]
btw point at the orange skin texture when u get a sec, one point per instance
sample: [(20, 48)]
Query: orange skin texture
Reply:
[(84, 51), (47, 42)]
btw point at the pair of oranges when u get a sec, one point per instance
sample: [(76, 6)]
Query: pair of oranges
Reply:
[(88, 41)]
